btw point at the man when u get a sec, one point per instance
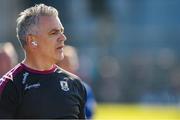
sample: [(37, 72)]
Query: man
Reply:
[(8, 57), (71, 64), (36, 87), (5, 62)]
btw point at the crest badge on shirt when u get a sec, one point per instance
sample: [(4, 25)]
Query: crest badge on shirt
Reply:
[(64, 85)]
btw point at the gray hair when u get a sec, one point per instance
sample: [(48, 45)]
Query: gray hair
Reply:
[(29, 18)]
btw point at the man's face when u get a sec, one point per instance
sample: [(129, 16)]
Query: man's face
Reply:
[(50, 38)]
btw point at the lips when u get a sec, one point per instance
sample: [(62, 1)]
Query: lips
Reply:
[(60, 47)]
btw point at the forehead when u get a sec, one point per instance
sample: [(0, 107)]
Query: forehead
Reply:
[(49, 22)]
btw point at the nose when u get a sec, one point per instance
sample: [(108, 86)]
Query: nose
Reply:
[(62, 37)]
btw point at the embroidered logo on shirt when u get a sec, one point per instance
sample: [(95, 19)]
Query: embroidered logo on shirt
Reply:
[(25, 77), (64, 85), (27, 87)]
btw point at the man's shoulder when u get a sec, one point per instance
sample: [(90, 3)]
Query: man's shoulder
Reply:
[(68, 74), (13, 72), (8, 78)]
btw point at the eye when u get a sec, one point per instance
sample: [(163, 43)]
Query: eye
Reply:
[(55, 32)]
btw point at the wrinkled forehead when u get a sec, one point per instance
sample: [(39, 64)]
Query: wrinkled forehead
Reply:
[(50, 22)]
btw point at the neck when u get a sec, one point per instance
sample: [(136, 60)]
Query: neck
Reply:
[(37, 64)]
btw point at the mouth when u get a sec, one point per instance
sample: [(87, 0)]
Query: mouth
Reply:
[(60, 48)]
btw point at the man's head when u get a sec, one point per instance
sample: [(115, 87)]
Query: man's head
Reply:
[(28, 20), (39, 30), (5, 63), (70, 61), (8, 57)]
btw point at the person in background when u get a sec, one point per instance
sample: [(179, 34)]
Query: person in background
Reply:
[(8, 57), (5, 62), (71, 64), (37, 87)]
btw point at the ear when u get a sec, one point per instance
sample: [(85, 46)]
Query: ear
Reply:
[(31, 42)]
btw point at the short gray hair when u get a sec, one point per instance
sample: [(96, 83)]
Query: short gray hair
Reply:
[(29, 18)]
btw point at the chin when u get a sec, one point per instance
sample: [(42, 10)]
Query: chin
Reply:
[(61, 57), (58, 58)]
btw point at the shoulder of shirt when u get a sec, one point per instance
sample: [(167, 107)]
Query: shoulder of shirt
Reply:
[(13, 72), (69, 74)]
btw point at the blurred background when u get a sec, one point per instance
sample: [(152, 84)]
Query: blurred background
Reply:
[(128, 50)]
